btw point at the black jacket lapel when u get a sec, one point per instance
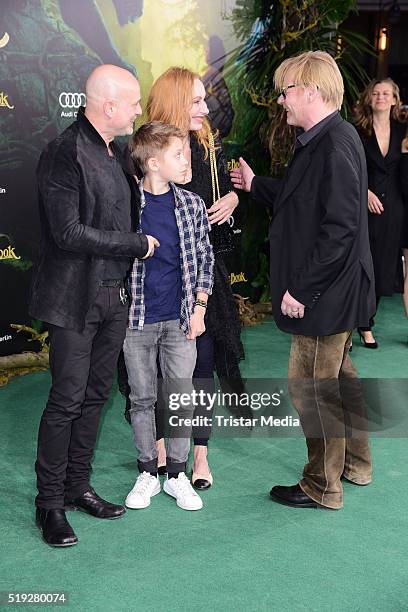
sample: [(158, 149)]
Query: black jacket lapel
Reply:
[(300, 163), (372, 150), (294, 174)]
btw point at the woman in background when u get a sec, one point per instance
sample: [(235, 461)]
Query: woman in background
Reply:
[(381, 123)]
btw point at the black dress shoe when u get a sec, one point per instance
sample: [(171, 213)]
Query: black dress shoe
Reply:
[(91, 503), (293, 496), (162, 470), (56, 531)]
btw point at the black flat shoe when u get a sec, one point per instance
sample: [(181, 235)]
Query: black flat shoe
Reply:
[(55, 529), (94, 505), (369, 345), (201, 484), (293, 496)]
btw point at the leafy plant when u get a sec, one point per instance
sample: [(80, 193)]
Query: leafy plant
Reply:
[(272, 32)]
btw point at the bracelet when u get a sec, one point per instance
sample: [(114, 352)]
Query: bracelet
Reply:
[(200, 303)]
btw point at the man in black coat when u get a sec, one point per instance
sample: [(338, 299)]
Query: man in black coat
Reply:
[(321, 275), (87, 203)]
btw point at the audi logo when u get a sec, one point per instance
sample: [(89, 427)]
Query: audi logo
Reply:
[(72, 100), (231, 221)]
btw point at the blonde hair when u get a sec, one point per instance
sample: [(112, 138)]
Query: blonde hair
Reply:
[(363, 114), (314, 68), (170, 101), (150, 139)]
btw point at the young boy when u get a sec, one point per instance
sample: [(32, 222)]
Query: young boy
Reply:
[(169, 293)]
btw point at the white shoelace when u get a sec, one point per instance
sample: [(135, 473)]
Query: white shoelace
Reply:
[(142, 483), (183, 485)]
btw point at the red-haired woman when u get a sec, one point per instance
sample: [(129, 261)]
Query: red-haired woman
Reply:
[(178, 97)]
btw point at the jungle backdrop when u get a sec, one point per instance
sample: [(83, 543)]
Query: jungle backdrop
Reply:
[(49, 47)]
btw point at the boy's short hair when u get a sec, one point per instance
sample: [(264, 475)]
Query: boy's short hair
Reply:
[(151, 139)]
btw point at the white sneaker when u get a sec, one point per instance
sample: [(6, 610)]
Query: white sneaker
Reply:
[(181, 489), (145, 487)]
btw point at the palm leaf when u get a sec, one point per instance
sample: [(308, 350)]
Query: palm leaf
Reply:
[(271, 32)]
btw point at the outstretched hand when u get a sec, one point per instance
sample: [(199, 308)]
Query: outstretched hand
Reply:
[(242, 177)]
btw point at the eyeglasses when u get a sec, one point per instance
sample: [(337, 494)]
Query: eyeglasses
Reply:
[(283, 91)]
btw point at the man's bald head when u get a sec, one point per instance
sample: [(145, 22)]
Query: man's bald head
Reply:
[(107, 81), (112, 100)]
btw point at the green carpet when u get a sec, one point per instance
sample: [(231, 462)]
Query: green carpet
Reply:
[(242, 551)]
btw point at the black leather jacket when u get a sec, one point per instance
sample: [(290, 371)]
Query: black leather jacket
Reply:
[(76, 198)]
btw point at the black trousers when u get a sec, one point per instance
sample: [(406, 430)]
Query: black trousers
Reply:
[(82, 367)]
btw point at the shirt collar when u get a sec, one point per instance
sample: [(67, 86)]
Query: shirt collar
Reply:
[(305, 137), (93, 133), (179, 201)]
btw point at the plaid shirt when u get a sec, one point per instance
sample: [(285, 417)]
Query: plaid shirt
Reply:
[(196, 258)]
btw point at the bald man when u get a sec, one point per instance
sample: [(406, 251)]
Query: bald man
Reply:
[(88, 211)]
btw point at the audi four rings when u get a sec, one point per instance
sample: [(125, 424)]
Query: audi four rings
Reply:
[(72, 100)]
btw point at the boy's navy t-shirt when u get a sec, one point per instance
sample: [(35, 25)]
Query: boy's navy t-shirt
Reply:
[(162, 281)]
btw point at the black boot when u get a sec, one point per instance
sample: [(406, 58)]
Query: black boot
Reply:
[(91, 503), (293, 496), (56, 531)]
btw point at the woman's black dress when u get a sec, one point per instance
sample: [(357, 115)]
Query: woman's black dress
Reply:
[(388, 179), (222, 318)]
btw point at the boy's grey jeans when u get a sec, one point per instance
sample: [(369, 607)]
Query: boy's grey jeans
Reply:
[(177, 357)]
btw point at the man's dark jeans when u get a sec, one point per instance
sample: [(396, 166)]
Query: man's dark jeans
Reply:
[(82, 366)]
